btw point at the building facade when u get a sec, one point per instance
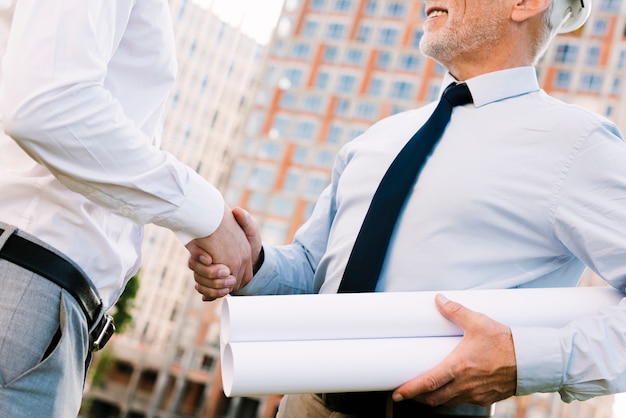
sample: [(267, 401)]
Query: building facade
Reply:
[(265, 127)]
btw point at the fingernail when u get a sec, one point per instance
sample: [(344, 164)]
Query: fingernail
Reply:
[(397, 397), (204, 260), (230, 282), (223, 272), (443, 299)]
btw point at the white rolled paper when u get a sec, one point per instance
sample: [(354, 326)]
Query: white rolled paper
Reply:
[(338, 342)]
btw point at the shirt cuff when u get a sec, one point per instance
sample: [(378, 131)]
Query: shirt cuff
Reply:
[(539, 360), (265, 277), (199, 215)]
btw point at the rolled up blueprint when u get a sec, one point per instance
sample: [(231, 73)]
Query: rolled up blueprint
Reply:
[(369, 341)]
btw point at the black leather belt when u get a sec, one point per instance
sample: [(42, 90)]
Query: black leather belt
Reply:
[(66, 274), (380, 405)]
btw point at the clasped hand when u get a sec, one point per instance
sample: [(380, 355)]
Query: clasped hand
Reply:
[(223, 262)]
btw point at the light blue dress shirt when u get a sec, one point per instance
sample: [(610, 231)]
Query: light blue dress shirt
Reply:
[(523, 190)]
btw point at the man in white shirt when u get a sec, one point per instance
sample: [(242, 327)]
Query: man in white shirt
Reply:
[(522, 190), (82, 94)]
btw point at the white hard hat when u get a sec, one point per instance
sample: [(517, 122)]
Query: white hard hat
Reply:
[(569, 15)]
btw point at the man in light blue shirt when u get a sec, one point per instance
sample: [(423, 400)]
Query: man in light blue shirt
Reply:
[(522, 190)]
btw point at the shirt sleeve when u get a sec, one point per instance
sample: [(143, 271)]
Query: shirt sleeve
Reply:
[(587, 357), (58, 105), (291, 269)]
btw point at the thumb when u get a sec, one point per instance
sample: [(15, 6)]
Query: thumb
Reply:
[(244, 220), (453, 311)]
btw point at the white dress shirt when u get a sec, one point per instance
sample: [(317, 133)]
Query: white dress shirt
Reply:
[(522, 190), (82, 94)]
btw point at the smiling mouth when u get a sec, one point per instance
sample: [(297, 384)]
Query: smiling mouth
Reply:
[(436, 13)]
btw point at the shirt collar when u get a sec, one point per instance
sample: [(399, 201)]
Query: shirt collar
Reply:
[(499, 85)]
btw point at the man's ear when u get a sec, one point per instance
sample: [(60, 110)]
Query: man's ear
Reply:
[(526, 9)]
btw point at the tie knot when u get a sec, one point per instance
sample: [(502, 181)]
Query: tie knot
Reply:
[(457, 94)]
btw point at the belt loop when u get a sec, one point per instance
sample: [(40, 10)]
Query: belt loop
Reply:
[(6, 233)]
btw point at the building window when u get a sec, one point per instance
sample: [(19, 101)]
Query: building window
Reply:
[(262, 177), (256, 202), (342, 107), (301, 51), (292, 181), (409, 62), (312, 103), (300, 155), (321, 81), (396, 9), (610, 5), (343, 5), (591, 82), (270, 150), (318, 4), (280, 127), (416, 38), (330, 54), (354, 56), (310, 28), (599, 27), (366, 110), (315, 185), (364, 33), (346, 83), (288, 100), (294, 75), (304, 130), (324, 158), (401, 90), (370, 7), (563, 79), (383, 60), (621, 61), (566, 54), (335, 31), (388, 36), (593, 55), (282, 206), (335, 134), (376, 87)]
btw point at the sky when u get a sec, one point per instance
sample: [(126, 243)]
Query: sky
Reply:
[(256, 18)]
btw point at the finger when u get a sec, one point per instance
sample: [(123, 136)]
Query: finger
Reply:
[(457, 313), (422, 387), (209, 294), (210, 271)]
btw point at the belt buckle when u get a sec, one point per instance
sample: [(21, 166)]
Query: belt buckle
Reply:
[(104, 330)]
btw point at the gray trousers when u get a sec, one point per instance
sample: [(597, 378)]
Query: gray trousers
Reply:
[(43, 345)]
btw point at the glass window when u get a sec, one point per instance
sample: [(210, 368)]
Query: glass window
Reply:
[(315, 185), (324, 158), (343, 5), (599, 27), (304, 130), (396, 9), (346, 83), (566, 54), (262, 177), (321, 81), (288, 100), (294, 75), (292, 180), (409, 62), (271, 150), (401, 90), (416, 38), (300, 155), (354, 56), (335, 31), (342, 107), (239, 173), (621, 61), (318, 4), (282, 206), (280, 127), (256, 202), (563, 79), (593, 55), (366, 110), (591, 82), (370, 7), (330, 54), (364, 33), (376, 87), (383, 60), (310, 28), (388, 36), (301, 51), (312, 103), (610, 5), (335, 134), (617, 83)]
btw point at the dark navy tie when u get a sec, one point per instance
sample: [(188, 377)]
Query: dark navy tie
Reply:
[(368, 254)]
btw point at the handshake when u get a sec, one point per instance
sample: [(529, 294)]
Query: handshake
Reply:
[(224, 261)]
